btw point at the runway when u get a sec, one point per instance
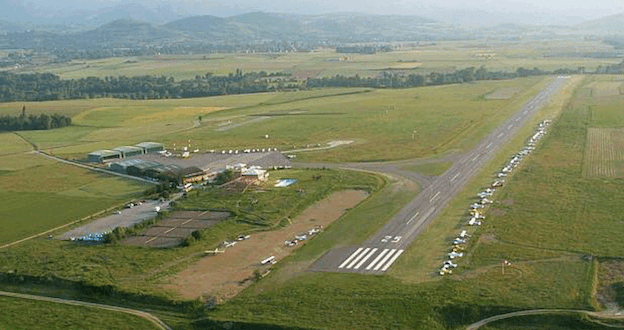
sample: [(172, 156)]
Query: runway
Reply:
[(382, 249)]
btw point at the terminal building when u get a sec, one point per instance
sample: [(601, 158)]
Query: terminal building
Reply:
[(101, 156)]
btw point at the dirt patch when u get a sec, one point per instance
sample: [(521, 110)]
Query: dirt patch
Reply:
[(610, 291), (305, 74), (503, 93), (508, 202), (497, 212), (224, 275), (488, 239)]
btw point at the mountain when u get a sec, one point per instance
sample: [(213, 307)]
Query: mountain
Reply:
[(259, 26), (129, 29), (7, 27)]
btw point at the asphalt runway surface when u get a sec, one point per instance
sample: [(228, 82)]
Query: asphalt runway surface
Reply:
[(381, 250)]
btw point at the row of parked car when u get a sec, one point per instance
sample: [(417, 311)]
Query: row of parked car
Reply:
[(477, 208)]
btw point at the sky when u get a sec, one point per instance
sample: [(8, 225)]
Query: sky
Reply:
[(528, 11)]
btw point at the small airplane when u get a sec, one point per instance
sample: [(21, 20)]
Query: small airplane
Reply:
[(449, 263), (454, 255), (211, 252)]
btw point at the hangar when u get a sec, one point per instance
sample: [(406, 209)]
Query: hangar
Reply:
[(100, 156), (151, 147), (129, 151)]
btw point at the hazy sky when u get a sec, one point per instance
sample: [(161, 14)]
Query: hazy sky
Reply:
[(565, 7), (468, 12)]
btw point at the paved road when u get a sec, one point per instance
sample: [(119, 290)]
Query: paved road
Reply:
[(153, 319), (379, 252)]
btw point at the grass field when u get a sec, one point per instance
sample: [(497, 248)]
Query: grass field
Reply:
[(385, 124), (604, 155), (12, 144), (40, 194), (21, 314)]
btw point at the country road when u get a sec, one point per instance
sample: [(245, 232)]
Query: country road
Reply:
[(147, 316), (603, 315)]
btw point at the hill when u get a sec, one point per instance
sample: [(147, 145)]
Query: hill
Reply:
[(613, 24)]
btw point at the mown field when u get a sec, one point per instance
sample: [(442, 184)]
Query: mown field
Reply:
[(384, 124), (22, 314), (40, 194), (441, 57)]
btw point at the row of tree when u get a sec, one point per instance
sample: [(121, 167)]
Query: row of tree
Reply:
[(46, 86), (33, 122)]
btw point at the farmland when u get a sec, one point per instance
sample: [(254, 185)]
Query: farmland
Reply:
[(441, 57)]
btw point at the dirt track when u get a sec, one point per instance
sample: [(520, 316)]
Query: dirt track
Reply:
[(220, 275)]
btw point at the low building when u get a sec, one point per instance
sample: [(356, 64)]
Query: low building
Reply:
[(256, 173), (100, 156), (163, 172), (129, 151), (151, 147), (193, 174), (140, 168), (122, 166)]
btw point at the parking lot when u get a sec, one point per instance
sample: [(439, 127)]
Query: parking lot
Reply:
[(178, 225)]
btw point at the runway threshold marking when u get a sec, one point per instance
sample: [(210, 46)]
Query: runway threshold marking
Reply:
[(383, 261), (434, 197), (377, 259), (391, 261), (370, 254), (350, 257), (358, 258)]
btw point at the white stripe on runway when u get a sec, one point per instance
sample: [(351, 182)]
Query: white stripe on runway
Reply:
[(412, 218), (377, 259), (383, 261), (475, 158), (358, 258), (370, 254), (501, 134), (488, 146), (509, 127), (434, 197), (455, 176), (350, 257), (391, 260)]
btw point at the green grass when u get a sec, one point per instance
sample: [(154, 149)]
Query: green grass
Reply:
[(18, 314), (40, 197), (550, 193), (13, 144), (429, 169)]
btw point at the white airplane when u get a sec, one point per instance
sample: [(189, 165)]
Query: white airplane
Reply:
[(454, 255), (474, 222), (211, 252), (449, 263), (459, 241)]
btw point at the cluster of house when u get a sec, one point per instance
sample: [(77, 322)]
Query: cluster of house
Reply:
[(476, 209)]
